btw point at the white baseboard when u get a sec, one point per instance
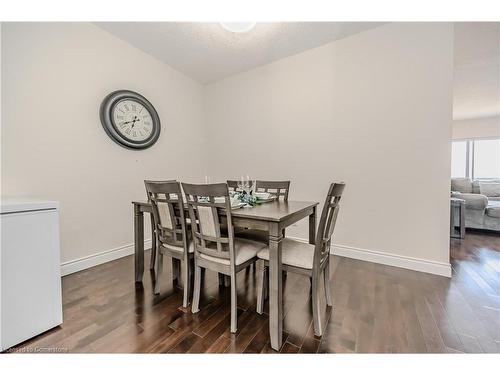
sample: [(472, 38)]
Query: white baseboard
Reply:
[(81, 264), (422, 265), (415, 264)]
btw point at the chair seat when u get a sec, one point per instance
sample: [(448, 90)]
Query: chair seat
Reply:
[(244, 250), (180, 249), (294, 253), (252, 234)]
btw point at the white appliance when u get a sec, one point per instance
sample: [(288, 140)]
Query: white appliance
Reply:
[(30, 271)]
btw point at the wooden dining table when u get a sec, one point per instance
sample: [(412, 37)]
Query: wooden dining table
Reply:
[(272, 217)]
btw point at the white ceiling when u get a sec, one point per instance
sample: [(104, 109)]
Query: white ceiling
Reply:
[(477, 70), (208, 53)]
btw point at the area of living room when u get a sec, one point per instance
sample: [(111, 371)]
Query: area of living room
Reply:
[(475, 169)]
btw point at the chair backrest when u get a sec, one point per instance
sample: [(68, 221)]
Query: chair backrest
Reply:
[(327, 223), (205, 203), (232, 185), (168, 212), (279, 188), (155, 182)]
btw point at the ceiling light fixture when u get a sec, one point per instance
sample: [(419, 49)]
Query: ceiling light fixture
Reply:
[(238, 27)]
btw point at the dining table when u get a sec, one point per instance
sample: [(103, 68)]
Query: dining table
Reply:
[(272, 217)]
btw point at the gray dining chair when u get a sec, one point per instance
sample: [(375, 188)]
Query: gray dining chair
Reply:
[(215, 247), (306, 259), (172, 235), (154, 249), (278, 188), (232, 185)]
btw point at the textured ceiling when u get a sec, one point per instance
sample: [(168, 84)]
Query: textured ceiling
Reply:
[(208, 53), (477, 70)]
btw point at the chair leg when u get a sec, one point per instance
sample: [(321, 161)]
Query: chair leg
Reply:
[(326, 277), (197, 288), (186, 283), (261, 287), (159, 271), (234, 296), (152, 260), (175, 271), (318, 330)]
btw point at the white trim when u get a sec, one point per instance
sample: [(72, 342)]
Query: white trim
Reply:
[(415, 264), (76, 265)]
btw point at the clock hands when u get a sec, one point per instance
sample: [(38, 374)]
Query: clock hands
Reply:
[(133, 121)]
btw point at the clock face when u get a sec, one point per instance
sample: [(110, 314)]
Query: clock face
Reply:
[(132, 120)]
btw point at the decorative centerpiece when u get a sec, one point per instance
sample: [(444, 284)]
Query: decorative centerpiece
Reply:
[(247, 198), (247, 194)]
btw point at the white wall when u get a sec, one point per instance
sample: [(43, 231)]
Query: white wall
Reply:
[(53, 145), (476, 75), (487, 127), (373, 110)]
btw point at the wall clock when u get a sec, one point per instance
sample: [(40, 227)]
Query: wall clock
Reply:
[(130, 119)]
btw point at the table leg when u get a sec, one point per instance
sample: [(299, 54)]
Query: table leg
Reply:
[(452, 224), (139, 243), (462, 220), (312, 227), (275, 288), (176, 271)]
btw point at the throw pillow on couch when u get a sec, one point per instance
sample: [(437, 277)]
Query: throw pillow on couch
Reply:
[(490, 189)]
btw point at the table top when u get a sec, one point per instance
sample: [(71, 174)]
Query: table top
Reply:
[(273, 211), (270, 211)]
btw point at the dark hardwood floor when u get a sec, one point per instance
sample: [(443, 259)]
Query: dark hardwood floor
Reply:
[(376, 309)]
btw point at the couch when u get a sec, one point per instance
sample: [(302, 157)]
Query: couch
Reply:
[(482, 202)]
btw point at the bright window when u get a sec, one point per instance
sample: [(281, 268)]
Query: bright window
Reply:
[(487, 158), (476, 158)]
